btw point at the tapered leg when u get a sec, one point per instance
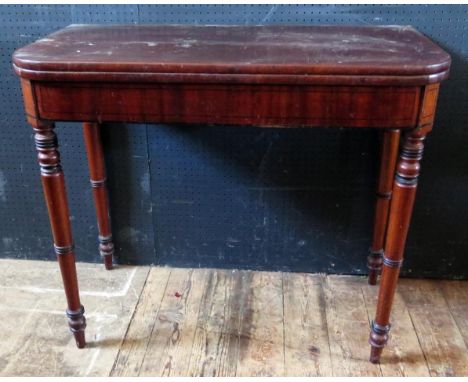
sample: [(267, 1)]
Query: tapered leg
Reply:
[(97, 170), (53, 183), (404, 191), (388, 157)]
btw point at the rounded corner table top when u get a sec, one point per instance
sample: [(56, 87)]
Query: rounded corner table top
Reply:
[(258, 53)]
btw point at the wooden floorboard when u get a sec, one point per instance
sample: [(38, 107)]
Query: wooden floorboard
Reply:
[(261, 348), (216, 343), (209, 322), (440, 338), (307, 348), (348, 328), (133, 348), (456, 296), (170, 344)]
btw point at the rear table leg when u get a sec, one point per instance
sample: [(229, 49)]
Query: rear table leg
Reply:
[(388, 157), (97, 170)]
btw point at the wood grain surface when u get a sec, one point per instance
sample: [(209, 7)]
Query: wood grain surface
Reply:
[(133, 311), (249, 50), (291, 324)]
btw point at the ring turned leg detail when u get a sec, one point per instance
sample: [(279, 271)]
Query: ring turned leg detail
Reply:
[(97, 170), (388, 157), (404, 192), (53, 183)]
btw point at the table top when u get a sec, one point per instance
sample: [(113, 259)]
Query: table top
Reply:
[(235, 51)]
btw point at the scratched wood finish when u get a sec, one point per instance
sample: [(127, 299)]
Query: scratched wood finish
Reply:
[(456, 295), (170, 343), (436, 308), (303, 52), (321, 330), (306, 347), (261, 352), (132, 352), (216, 344), (440, 337)]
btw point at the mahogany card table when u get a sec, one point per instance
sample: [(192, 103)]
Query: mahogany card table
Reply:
[(380, 77)]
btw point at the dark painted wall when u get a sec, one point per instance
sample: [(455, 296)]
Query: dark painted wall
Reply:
[(241, 197)]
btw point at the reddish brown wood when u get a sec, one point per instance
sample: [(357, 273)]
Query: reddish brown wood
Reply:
[(259, 105), (53, 183), (388, 157), (97, 171), (343, 54), (30, 104), (281, 76), (404, 192), (428, 104)]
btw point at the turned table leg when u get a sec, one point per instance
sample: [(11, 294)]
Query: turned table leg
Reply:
[(97, 170), (53, 183), (388, 157), (404, 192)]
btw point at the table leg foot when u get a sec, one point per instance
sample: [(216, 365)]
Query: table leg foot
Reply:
[(107, 262), (378, 339), (372, 278), (375, 354), (77, 324), (80, 339), (374, 264)]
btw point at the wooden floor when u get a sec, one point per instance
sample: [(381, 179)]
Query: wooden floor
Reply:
[(239, 323), (206, 322)]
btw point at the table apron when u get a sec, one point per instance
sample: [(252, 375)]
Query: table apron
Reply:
[(251, 104)]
